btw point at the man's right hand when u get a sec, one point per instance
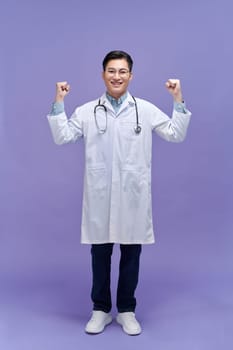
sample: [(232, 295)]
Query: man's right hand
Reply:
[(62, 89)]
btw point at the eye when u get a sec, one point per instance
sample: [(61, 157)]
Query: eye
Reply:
[(123, 71)]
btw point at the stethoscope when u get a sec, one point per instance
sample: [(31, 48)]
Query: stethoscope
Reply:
[(102, 130)]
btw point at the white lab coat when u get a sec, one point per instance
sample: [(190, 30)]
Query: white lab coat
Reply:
[(117, 182)]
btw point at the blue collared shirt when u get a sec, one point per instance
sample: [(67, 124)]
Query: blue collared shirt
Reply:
[(116, 103)]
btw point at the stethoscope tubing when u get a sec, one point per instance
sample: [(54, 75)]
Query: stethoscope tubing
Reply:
[(137, 128)]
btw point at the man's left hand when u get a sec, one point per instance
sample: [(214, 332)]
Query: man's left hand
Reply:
[(173, 86)]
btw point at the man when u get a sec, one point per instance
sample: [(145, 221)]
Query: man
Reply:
[(117, 132)]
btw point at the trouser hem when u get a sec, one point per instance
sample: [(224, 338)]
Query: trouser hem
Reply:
[(125, 310), (101, 309)]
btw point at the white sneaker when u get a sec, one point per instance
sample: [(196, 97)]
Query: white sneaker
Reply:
[(129, 323), (98, 322)]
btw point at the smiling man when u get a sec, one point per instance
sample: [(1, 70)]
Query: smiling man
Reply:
[(117, 130), (117, 75)]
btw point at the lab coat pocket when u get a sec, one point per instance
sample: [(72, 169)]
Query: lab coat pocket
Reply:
[(95, 204), (134, 202), (96, 177)]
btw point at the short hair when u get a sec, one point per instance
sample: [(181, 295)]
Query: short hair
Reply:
[(113, 55)]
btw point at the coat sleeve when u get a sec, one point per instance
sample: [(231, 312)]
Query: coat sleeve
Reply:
[(65, 130), (172, 129)]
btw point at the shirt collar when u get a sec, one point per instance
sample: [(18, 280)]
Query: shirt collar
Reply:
[(114, 101)]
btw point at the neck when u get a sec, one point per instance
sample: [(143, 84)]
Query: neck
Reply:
[(116, 96)]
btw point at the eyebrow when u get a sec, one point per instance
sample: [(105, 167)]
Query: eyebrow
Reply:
[(118, 69)]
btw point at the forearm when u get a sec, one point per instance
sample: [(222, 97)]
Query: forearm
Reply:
[(63, 130), (179, 125), (173, 129)]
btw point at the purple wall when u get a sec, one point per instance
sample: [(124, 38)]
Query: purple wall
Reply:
[(41, 184)]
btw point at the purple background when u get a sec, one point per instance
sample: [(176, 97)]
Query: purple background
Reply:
[(185, 292)]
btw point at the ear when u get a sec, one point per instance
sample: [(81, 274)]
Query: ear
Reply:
[(131, 76)]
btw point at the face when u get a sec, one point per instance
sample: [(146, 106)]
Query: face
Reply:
[(117, 77)]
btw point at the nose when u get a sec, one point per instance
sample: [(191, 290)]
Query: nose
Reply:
[(117, 75)]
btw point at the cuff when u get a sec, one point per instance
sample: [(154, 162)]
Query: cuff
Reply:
[(57, 108), (180, 107)]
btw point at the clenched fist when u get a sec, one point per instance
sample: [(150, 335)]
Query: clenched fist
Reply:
[(173, 86), (62, 89)]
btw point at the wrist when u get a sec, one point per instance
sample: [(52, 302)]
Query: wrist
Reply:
[(178, 99), (59, 99)]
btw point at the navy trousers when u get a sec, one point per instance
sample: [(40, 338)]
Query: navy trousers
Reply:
[(128, 276)]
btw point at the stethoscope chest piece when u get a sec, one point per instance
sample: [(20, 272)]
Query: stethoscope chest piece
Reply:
[(137, 129)]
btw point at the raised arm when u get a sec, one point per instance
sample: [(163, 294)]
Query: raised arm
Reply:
[(63, 130)]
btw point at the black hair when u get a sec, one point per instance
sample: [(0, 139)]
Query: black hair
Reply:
[(113, 55)]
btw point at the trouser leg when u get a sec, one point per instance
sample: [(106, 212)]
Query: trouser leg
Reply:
[(101, 272), (128, 277)]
